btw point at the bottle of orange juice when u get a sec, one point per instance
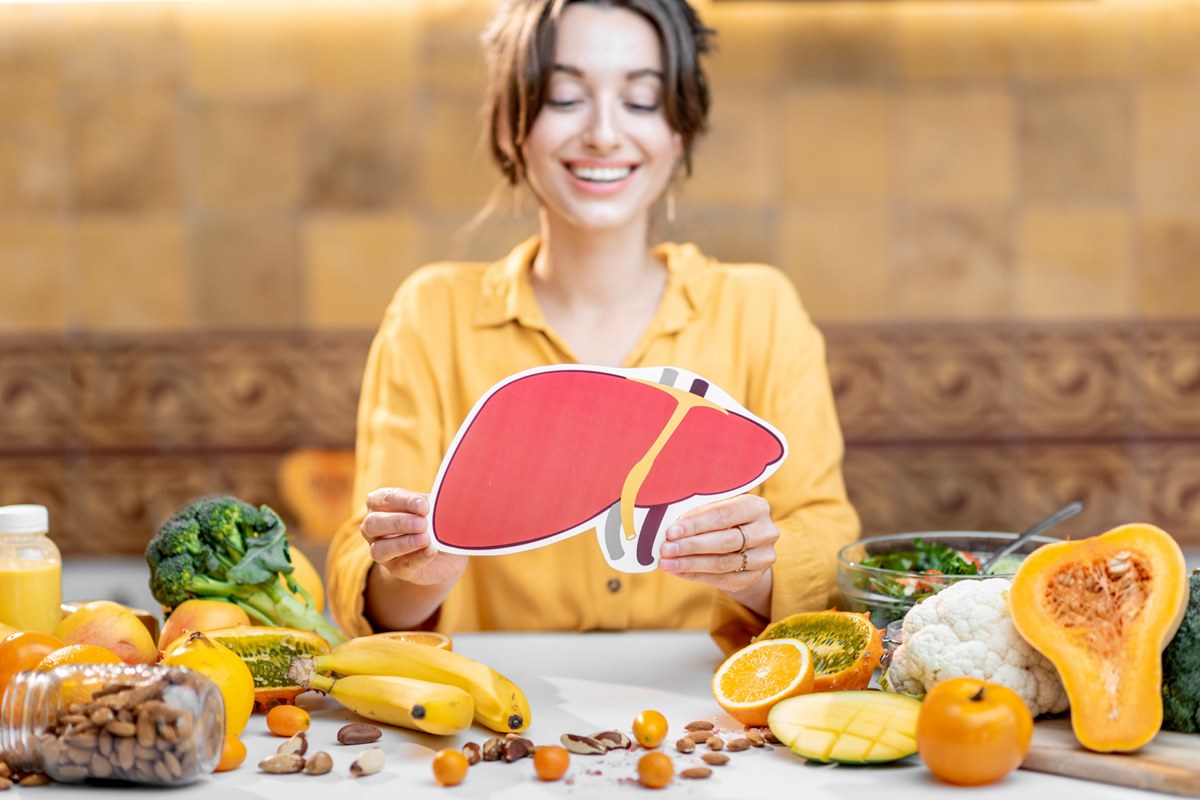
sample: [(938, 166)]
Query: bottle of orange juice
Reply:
[(30, 570)]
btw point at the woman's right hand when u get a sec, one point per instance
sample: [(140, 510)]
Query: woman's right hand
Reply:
[(395, 530)]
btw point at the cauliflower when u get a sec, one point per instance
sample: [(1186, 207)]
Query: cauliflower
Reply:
[(967, 630)]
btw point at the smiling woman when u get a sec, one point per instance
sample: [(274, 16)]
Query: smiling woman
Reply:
[(595, 106)]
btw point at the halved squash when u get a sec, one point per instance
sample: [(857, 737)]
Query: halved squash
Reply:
[(1102, 610)]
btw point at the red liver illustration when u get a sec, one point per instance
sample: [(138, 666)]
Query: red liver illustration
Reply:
[(550, 451)]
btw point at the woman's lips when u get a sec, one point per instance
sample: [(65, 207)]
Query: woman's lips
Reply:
[(600, 179)]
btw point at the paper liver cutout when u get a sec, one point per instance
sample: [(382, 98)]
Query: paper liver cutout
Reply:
[(556, 451)]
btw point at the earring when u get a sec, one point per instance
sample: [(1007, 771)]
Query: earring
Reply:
[(671, 206)]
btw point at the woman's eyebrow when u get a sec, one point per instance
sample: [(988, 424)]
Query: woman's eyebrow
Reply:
[(646, 72)]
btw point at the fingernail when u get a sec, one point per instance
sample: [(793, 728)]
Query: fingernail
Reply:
[(422, 505), (670, 550), (421, 540), (675, 531), (667, 565)]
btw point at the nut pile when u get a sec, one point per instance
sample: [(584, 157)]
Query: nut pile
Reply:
[(128, 731), (697, 734), (10, 777), (290, 757)]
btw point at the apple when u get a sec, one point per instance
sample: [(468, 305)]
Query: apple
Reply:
[(200, 615), (112, 626)]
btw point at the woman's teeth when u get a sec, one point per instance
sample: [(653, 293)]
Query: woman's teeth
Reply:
[(601, 174)]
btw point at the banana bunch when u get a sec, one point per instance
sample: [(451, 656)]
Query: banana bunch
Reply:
[(373, 664), (420, 705)]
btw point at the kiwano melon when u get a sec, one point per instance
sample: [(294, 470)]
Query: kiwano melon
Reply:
[(846, 647), (268, 652)]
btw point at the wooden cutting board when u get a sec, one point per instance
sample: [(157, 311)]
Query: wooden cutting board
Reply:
[(1169, 764)]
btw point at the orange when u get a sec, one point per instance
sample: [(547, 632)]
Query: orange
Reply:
[(758, 676), (79, 654), (24, 650), (431, 638)]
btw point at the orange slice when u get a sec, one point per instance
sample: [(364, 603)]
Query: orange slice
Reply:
[(431, 638), (758, 676)]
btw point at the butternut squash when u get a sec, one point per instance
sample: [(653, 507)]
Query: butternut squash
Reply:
[(1102, 610)]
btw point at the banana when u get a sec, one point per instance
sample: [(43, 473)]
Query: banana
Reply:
[(420, 705), (499, 703)]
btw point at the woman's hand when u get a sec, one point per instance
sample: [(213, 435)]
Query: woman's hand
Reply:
[(395, 530), (729, 544)]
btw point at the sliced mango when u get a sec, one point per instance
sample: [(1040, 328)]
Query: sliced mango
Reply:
[(855, 727)]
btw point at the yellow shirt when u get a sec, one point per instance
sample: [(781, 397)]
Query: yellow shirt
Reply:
[(455, 329)]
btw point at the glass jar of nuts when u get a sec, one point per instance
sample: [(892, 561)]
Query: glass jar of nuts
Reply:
[(112, 722)]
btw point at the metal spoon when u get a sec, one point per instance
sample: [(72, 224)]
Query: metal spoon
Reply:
[(1066, 512)]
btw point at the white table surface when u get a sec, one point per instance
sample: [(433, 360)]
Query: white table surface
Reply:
[(584, 683)]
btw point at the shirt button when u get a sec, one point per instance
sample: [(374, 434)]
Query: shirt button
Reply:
[(614, 585)]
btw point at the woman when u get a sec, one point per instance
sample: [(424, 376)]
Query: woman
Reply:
[(595, 106)]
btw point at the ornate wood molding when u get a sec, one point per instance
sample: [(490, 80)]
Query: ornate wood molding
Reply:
[(947, 426)]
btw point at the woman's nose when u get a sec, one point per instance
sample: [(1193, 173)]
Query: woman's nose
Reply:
[(601, 132)]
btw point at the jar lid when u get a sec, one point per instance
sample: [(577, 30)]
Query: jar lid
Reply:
[(24, 519)]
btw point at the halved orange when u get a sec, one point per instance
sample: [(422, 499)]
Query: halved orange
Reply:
[(758, 676), (78, 654), (846, 647), (431, 638)]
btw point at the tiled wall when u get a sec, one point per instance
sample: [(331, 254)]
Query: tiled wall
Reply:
[(950, 184)]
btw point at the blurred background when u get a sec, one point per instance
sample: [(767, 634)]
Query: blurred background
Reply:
[(991, 208)]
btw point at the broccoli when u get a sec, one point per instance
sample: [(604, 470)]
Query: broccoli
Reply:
[(1181, 669), (224, 549)]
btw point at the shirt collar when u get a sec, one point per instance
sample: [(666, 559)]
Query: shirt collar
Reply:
[(506, 295)]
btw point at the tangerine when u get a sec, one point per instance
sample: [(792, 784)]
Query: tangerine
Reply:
[(78, 654)]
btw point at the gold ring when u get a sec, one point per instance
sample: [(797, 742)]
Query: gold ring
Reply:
[(745, 540), (742, 568)]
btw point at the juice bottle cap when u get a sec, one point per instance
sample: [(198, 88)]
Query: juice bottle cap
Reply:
[(24, 519)]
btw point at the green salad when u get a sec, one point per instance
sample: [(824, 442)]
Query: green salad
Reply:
[(930, 559)]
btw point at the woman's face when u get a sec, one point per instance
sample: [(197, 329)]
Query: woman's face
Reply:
[(600, 151)]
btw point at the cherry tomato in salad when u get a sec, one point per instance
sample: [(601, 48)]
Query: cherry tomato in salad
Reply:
[(967, 555), (971, 732)]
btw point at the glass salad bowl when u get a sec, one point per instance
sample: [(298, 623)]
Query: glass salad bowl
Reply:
[(887, 575)]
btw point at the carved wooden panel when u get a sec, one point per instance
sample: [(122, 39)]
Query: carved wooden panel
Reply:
[(947, 427)]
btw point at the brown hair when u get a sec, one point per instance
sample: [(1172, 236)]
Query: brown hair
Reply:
[(519, 45)]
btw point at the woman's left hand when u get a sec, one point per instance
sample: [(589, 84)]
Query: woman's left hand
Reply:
[(729, 544)]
